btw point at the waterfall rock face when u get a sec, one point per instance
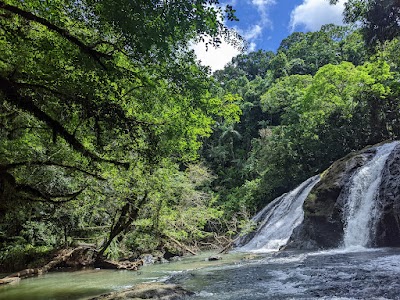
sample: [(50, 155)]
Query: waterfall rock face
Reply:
[(277, 220), (323, 208), (388, 226), (354, 203), (326, 207)]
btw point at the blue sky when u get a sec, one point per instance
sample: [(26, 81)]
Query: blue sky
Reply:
[(264, 23)]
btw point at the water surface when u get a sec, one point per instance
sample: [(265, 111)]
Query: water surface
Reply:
[(339, 274), (92, 282), (342, 274)]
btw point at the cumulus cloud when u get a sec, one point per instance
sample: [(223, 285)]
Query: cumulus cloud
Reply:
[(263, 21), (253, 32), (263, 5), (312, 14), (215, 58), (252, 47)]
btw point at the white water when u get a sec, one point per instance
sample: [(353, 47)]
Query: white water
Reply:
[(361, 209), (279, 218)]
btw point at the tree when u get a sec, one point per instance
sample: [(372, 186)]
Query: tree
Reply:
[(282, 96), (250, 65), (379, 19), (101, 92), (304, 53)]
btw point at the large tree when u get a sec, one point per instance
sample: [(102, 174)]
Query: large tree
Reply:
[(379, 19), (101, 91)]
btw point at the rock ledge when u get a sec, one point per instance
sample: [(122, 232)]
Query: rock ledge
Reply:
[(159, 291)]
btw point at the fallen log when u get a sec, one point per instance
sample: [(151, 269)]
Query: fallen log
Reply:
[(120, 265), (57, 261), (11, 280), (181, 245), (79, 257)]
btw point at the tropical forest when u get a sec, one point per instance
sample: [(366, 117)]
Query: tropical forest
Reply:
[(125, 160)]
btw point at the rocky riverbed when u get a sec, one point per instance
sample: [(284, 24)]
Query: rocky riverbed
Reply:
[(336, 274)]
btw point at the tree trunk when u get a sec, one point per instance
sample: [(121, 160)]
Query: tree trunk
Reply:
[(129, 213)]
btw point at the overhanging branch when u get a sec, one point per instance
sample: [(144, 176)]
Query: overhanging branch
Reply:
[(96, 55), (39, 196), (26, 103), (49, 163)]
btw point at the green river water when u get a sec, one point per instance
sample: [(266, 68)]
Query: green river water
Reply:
[(339, 274), (92, 282)]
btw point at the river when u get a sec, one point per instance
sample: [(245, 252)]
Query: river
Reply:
[(337, 274)]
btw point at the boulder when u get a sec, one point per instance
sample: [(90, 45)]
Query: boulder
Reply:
[(214, 258), (159, 291), (322, 227)]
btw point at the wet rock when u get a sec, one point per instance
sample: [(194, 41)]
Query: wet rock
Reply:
[(147, 259), (388, 227), (119, 265), (82, 256), (170, 255), (159, 291), (323, 226), (175, 258), (214, 258)]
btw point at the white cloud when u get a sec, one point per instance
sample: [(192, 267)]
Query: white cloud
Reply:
[(254, 32), (252, 47), (215, 58), (263, 5), (312, 14)]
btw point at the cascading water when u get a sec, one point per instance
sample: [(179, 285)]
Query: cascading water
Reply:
[(279, 218), (361, 209)]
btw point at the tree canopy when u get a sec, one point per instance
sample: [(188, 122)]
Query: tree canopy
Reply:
[(96, 98)]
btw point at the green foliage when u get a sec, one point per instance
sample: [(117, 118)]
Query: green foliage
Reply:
[(141, 242), (282, 96), (104, 112), (379, 19), (304, 53), (99, 102), (20, 255), (330, 96)]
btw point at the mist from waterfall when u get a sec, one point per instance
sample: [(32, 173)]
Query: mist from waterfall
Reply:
[(279, 218), (361, 210)]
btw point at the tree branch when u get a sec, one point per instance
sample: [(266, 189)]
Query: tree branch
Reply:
[(42, 197), (96, 55), (26, 103), (48, 163)]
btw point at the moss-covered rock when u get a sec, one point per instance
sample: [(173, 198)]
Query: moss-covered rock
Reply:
[(323, 226)]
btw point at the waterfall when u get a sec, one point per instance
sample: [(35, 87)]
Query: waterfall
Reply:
[(279, 218), (361, 210)]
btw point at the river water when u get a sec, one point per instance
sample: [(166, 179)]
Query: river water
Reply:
[(338, 274)]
